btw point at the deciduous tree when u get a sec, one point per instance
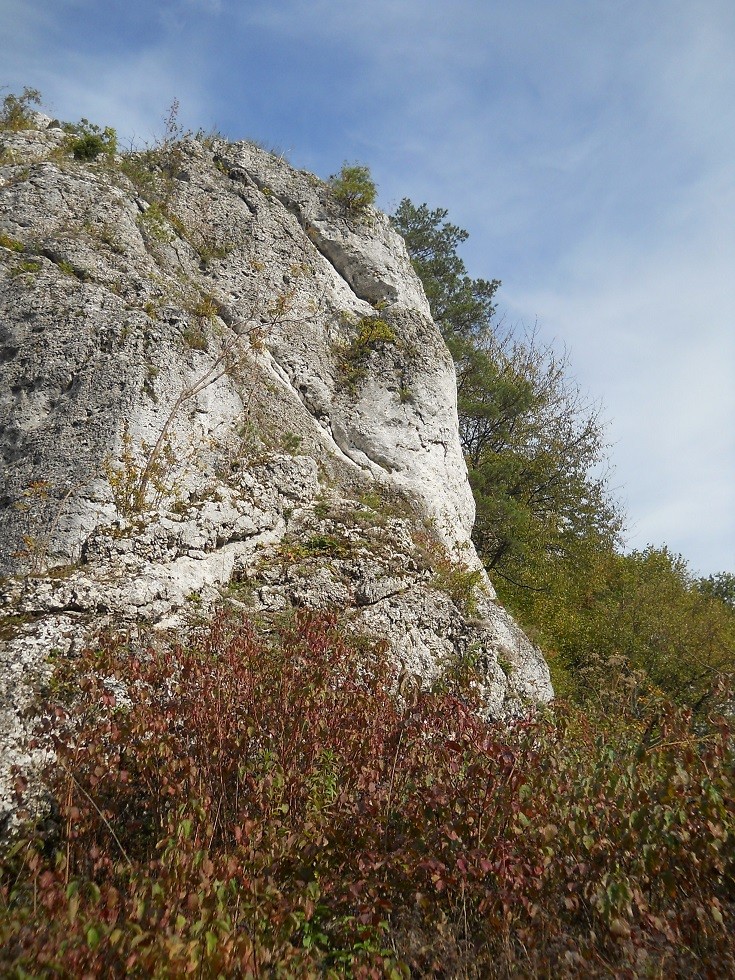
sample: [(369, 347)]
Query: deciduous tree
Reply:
[(534, 445)]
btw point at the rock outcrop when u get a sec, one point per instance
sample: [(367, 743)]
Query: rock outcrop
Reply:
[(218, 388)]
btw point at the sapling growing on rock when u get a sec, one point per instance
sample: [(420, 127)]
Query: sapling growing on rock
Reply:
[(353, 188), (17, 111)]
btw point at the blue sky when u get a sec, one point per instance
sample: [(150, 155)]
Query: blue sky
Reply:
[(588, 146)]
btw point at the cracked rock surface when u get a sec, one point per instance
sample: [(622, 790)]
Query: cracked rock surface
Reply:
[(216, 388)]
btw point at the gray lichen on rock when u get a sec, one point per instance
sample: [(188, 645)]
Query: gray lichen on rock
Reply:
[(180, 429)]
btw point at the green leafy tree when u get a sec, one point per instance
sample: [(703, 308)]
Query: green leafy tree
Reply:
[(547, 526), (534, 446), (642, 614), (462, 307), (720, 586), (532, 442)]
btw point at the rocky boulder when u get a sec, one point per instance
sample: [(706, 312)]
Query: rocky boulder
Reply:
[(219, 387)]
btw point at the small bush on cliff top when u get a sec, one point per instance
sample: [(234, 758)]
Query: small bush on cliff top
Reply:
[(260, 808), (17, 111), (87, 140), (353, 189)]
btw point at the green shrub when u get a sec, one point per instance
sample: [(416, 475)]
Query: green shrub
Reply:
[(644, 607), (17, 110), (87, 141), (11, 243), (156, 225), (142, 476), (88, 147), (141, 171), (69, 270), (27, 267), (353, 189), (373, 334), (290, 443), (204, 306), (460, 584)]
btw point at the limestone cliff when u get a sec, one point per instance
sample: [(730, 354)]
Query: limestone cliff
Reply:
[(217, 387)]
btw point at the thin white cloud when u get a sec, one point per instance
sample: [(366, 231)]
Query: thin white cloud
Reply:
[(654, 334), (134, 92)]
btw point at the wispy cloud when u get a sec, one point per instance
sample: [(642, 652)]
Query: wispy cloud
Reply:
[(208, 6), (127, 81), (653, 332)]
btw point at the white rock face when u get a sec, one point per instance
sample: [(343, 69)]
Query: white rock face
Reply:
[(413, 441), (216, 388)]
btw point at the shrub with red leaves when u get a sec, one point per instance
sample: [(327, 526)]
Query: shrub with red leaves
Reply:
[(264, 805)]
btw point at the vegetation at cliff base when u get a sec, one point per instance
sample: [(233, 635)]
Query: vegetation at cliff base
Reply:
[(240, 806)]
